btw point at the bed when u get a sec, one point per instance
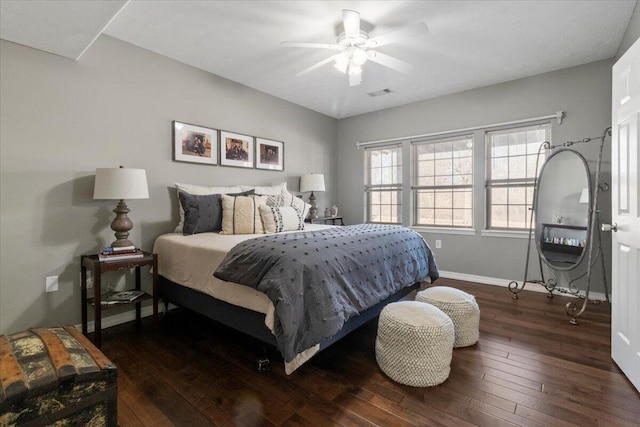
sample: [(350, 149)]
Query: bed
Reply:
[(244, 257), (186, 267)]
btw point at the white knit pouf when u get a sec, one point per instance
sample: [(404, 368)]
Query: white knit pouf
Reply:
[(414, 344), (461, 307)]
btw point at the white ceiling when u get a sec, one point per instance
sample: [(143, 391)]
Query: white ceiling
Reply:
[(470, 43)]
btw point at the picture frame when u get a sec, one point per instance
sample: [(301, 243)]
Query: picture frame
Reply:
[(236, 150), (269, 154), (195, 144)]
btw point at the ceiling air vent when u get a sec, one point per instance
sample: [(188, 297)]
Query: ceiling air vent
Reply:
[(379, 92)]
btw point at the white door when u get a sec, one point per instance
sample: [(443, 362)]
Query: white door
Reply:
[(625, 202)]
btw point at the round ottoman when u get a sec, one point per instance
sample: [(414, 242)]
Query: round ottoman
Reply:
[(461, 307), (414, 344)]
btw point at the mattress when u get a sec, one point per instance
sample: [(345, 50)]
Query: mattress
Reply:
[(191, 261)]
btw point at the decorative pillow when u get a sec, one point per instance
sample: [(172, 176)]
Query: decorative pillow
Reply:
[(289, 199), (275, 200), (277, 219), (202, 213), (272, 190), (198, 190), (241, 214)]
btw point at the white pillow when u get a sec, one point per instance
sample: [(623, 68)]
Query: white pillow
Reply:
[(241, 214), (198, 190), (281, 218), (203, 190), (289, 199), (270, 190)]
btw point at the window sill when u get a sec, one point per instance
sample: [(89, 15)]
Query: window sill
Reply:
[(514, 234), (445, 230)]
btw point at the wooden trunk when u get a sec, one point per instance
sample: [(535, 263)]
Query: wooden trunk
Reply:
[(55, 376)]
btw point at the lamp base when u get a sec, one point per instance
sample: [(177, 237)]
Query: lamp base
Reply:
[(121, 225), (313, 211)]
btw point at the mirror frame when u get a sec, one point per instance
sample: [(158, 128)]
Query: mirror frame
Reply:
[(538, 232)]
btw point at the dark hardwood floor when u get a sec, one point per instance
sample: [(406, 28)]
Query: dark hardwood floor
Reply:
[(530, 368)]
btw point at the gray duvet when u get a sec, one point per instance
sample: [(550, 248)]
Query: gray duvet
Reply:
[(317, 280)]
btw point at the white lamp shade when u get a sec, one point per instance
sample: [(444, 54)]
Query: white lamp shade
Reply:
[(584, 196), (120, 184), (312, 182)]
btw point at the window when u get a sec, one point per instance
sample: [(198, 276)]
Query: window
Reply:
[(511, 172), (383, 184), (443, 182)]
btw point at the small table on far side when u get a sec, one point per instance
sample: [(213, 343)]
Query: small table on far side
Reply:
[(326, 219), (97, 267)]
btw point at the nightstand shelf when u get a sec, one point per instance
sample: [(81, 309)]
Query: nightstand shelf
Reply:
[(107, 303), (97, 268), (326, 220)]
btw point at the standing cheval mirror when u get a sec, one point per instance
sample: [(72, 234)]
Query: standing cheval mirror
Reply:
[(567, 223), (562, 206)]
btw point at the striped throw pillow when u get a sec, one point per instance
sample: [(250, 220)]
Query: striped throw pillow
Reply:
[(241, 214)]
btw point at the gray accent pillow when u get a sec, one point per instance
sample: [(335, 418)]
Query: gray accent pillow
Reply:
[(203, 213)]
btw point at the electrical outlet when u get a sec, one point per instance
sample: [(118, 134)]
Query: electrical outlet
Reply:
[(438, 244), (51, 284)]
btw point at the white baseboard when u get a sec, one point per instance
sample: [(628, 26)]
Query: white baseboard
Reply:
[(505, 283), (118, 319)]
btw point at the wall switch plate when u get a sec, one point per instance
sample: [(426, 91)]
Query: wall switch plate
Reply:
[(51, 284), (438, 244)]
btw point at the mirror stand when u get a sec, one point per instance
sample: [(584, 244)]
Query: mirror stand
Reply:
[(574, 309)]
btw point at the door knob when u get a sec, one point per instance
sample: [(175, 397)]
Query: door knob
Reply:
[(610, 227)]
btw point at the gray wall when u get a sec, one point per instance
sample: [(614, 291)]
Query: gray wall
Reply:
[(61, 119), (583, 92)]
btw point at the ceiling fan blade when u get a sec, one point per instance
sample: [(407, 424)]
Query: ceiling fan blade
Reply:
[(355, 79), (390, 62), (318, 65), (351, 20), (311, 45), (416, 30)]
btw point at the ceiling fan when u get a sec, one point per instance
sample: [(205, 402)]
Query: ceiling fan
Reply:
[(355, 48)]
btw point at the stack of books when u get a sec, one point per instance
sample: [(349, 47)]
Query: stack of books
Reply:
[(120, 253)]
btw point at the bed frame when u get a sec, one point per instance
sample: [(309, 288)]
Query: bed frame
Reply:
[(252, 322)]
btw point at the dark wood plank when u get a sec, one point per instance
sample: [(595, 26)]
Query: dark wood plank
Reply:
[(530, 368)]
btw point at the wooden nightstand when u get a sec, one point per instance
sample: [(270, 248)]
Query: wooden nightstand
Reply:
[(98, 267), (326, 220)]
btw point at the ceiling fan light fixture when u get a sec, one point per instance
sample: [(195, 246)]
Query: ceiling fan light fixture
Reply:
[(359, 56)]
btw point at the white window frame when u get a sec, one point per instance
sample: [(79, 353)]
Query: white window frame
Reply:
[(393, 187), (416, 188), (527, 182)]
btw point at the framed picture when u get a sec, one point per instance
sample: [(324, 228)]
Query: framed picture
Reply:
[(269, 154), (236, 150), (195, 144)]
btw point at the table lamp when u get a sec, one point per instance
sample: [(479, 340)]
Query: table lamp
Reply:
[(312, 182), (120, 184)]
